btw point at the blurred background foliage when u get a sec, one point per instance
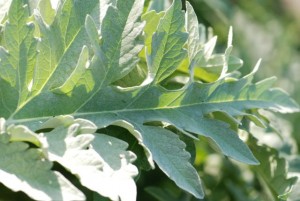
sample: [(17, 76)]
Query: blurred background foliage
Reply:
[(267, 29)]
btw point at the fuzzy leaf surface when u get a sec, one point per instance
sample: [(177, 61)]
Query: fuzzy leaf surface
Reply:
[(68, 64), (24, 169), (101, 162), (273, 172), (170, 155)]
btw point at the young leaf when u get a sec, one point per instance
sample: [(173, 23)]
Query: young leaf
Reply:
[(22, 133), (17, 55), (59, 43), (158, 5), (272, 172), (100, 161), (25, 169), (120, 42), (192, 27), (46, 10), (152, 20), (167, 44), (121, 172)]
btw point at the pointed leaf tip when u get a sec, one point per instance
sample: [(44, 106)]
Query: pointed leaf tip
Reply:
[(230, 36), (163, 144), (256, 67)]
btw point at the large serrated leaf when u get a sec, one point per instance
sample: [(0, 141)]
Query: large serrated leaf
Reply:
[(177, 108), (110, 62), (71, 63)]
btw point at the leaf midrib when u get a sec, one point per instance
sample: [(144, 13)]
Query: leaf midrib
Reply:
[(85, 114)]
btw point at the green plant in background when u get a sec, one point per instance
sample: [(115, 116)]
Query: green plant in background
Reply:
[(276, 25), (95, 92)]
